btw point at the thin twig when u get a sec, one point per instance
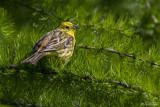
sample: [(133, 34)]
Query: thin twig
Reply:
[(15, 103), (2, 68), (49, 14), (40, 11), (16, 67), (155, 20), (13, 67), (116, 52), (125, 85), (122, 84), (106, 28)]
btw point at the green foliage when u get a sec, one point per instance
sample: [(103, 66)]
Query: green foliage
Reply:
[(84, 80), (6, 38)]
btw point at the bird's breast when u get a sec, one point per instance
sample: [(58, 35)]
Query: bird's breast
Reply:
[(65, 53)]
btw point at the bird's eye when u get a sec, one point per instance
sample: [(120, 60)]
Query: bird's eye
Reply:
[(67, 27)]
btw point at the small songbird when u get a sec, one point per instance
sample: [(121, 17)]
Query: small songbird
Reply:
[(57, 43)]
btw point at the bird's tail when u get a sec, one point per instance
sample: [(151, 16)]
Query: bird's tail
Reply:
[(33, 59)]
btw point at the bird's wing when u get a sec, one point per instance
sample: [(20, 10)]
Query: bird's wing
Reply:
[(61, 42), (44, 39)]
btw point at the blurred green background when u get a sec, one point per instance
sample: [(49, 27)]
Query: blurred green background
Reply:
[(92, 77)]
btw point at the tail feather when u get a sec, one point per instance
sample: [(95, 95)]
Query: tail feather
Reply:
[(33, 58)]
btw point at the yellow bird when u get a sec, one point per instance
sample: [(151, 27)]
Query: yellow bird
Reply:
[(58, 43)]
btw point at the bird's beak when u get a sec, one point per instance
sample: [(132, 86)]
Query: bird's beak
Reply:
[(74, 27)]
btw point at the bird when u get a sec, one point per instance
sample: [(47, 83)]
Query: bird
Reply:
[(58, 43)]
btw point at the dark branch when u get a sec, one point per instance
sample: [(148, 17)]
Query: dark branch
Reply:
[(125, 85), (14, 103), (13, 67), (41, 11), (21, 67), (122, 84), (49, 14), (106, 28), (116, 52)]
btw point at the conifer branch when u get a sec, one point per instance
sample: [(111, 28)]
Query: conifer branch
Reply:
[(125, 85), (49, 14), (41, 11), (10, 67), (16, 67), (15, 103), (117, 83), (116, 52), (106, 28)]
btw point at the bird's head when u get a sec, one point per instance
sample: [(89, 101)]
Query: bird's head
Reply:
[(67, 27)]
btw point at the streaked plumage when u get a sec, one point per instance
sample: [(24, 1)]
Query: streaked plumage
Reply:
[(59, 43)]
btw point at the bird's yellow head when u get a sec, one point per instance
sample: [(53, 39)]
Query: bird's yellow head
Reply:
[(67, 27)]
